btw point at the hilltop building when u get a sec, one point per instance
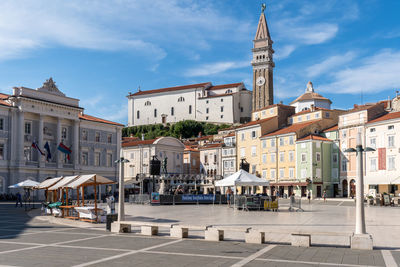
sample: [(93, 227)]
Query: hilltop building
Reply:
[(311, 99)]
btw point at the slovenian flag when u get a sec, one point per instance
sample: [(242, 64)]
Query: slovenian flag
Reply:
[(36, 146), (64, 149), (47, 147)]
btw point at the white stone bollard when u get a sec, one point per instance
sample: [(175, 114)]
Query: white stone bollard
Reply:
[(361, 241), (117, 227), (301, 240), (213, 234), (254, 237), (179, 232), (149, 230)]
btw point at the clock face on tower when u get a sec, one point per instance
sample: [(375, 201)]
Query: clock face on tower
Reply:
[(260, 81)]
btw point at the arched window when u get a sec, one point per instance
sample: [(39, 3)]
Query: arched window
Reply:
[(148, 103), (181, 99), (190, 109), (138, 114), (172, 111), (228, 91), (155, 113)]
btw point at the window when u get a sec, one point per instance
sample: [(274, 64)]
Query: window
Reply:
[(145, 154), (281, 141), (373, 164), (190, 109), (264, 174), (28, 127), (334, 173), (303, 145), (231, 163), (372, 142), (318, 173), (132, 155), (291, 140), (391, 127), (272, 158), (1, 151), (318, 144), (291, 156), (109, 138), (27, 153), (303, 173), (272, 142), (242, 152), (391, 161), (281, 173), (281, 156), (222, 108), (372, 130), (299, 119), (84, 160), (303, 157), (391, 141), (253, 134), (271, 111), (225, 152), (97, 137), (155, 113), (207, 110), (207, 118), (97, 159), (242, 137), (308, 117), (273, 173), (205, 158), (318, 156), (316, 115), (1, 124), (253, 169), (172, 111), (64, 133), (181, 99), (264, 144), (344, 146), (253, 151), (137, 114), (344, 165), (344, 121), (228, 91), (264, 158), (222, 116), (84, 135), (334, 158), (148, 103), (206, 101), (327, 114), (222, 100), (291, 172), (241, 109), (225, 164), (344, 133)]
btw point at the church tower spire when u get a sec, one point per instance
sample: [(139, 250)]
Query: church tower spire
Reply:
[(263, 64)]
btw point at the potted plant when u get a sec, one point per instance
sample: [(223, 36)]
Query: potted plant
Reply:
[(370, 200)]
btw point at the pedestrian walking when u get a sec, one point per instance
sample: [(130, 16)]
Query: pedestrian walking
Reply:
[(19, 200), (228, 196), (309, 196), (324, 195)]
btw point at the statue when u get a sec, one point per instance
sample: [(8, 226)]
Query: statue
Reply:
[(164, 165), (263, 7)]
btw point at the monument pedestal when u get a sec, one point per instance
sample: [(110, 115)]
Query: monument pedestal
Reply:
[(362, 241)]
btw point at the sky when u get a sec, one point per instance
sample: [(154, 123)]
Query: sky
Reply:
[(98, 51)]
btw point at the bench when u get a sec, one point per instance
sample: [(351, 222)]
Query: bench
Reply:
[(303, 238), (217, 233)]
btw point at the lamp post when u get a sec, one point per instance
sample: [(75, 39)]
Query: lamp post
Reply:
[(360, 238), (121, 188)]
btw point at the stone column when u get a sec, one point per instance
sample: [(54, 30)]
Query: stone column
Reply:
[(40, 141), (58, 140), (13, 150), (20, 138), (75, 147)]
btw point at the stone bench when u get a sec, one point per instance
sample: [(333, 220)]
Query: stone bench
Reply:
[(303, 238), (217, 233), (254, 237), (182, 231), (146, 228)]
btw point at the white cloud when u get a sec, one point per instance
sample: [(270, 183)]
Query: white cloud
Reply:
[(284, 52), (307, 34), (329, 64), (216, 68), (374, 74)]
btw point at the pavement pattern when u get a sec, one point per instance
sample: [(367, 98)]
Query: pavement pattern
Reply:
[(26, 241)]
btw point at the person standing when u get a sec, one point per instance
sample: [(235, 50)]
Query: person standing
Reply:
[(228, 196), (324, 195), (309, 196), (19, 200)]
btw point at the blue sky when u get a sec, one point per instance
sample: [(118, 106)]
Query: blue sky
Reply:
[(98, 51)]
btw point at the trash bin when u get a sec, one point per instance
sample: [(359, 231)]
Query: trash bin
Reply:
[(110, 219)]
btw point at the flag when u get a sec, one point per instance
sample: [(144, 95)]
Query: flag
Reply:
[(64, 149), (36, 146), (47, 147)]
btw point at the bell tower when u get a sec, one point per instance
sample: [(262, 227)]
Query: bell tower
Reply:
[(263, 64)]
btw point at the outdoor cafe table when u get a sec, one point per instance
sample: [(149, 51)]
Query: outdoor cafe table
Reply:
[(67, 209), (88, 213)]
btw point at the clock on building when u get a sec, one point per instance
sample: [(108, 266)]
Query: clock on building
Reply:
[(260, 81)]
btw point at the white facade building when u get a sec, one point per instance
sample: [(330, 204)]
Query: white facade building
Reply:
[(229, 155), (228, 103), (310, 99), (45, 117)]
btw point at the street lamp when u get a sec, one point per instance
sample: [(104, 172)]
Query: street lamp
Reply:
[(121, 188), (360, 238)]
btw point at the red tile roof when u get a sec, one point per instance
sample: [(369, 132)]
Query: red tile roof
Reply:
[(314, 137), (140, 142), (255, 122), (290, 129), (219, 95), (95, 119), (204, 137), (169, 89), (388, 116), (129, 139), (309, 110), (361, 107), (275, 105), (310, 96), (3, 98), (222, 86), (230, 134), (333, 128), (191, 148), (207, 146)]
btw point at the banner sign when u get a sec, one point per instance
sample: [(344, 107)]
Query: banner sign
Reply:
[(155, 198), (193, 198)]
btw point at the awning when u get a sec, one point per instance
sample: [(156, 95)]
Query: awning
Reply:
[(63, 182), (49, 182), (289, 184), (242, 178), (25, 184), (88, 179)]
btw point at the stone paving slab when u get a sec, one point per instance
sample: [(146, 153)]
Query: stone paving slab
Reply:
[(396, 256), (53, 256), (8, 246), (223, 248), (45, 238)]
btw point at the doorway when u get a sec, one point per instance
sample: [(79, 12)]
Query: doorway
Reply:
[(319, 191), (344, 188), (352, 188)]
